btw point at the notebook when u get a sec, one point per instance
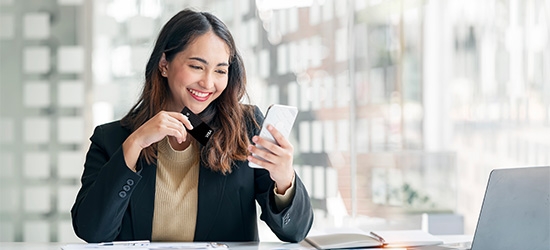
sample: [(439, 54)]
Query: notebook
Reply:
[(515, 213), (376, 239)]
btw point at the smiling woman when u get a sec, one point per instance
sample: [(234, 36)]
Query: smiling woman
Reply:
[(193, 81), (145, 177)]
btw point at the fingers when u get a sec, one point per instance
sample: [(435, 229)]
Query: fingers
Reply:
[(273, 154), (278, 148), (177, 123), (277, 158), (162, 124), (184, 120), (176, 129), (268, 160)]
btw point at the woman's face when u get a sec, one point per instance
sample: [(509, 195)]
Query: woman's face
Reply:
[(197, 75)]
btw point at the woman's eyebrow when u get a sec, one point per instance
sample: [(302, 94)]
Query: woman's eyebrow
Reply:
[(205, 62)]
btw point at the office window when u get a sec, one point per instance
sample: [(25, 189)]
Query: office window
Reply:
[(315, 92), (342, 92), (37, 94), (252, 33), (328, 10), (293, 20), (315, 13), (304, 137), (36, 59), (293, 94), (305, 95), (264, 62), (42, 110), (327, 92), (304, 55), (341, 43), (317, 51), (282, 59), (71, 94), (316, 137), (273, 91), (36, 130), (36, 231), (70, 59), (36, 25), (343, 135), (329, 137), (7, 26), (36, 165)]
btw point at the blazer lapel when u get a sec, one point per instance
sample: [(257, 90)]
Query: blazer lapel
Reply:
[(211, 192), (143, 201)]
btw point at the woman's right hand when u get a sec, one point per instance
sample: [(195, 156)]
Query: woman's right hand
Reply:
[(163, 124)]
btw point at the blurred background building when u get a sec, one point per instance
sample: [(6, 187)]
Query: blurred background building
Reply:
[(405, 106)]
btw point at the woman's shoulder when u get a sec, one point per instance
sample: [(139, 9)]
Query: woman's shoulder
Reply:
[(111, 130), (252, 110), (111, 126), (252, 113), (253, 117)]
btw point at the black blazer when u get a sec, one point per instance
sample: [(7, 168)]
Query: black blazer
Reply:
[(114, 203)]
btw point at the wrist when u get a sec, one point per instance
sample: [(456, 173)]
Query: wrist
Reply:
[(282, 187), (131, 151)]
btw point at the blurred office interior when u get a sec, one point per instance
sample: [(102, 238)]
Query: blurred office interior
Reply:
[(405, 105)]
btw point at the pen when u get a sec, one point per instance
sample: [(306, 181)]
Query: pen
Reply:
[(378, 237), (125, 243)]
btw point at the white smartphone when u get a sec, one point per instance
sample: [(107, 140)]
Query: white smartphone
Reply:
[(281, 117)]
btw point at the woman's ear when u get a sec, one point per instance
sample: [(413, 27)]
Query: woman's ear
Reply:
[(163, 65)]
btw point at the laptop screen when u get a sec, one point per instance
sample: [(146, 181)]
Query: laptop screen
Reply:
[(516, 210)]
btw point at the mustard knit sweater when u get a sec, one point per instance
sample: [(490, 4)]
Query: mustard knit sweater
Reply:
[(176, 193)]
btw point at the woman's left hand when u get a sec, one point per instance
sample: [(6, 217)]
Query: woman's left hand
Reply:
[(278, 159)]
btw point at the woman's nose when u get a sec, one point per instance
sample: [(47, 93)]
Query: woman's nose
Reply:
[(207, 81)]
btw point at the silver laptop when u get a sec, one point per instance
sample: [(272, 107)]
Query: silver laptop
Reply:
[(515, 213)]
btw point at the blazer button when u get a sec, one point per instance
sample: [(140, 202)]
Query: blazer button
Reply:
[(130, 182), (122, 194), (286, 219), (126, 188)]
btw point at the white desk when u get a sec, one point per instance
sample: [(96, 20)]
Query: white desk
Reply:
[(232, 245), (454, 240), (30, 246)]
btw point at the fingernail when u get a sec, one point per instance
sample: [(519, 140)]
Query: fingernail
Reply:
[(255, 139)]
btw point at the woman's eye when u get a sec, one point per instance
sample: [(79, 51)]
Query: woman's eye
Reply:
[(195, 67), (221, 72)]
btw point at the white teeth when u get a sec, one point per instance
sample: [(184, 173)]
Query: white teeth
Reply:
[(199, 94)]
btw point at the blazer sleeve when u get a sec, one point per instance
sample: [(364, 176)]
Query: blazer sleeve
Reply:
[(293, 223), (107, 185)]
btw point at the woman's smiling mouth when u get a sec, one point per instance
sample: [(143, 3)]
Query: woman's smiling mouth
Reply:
[(200, 96)]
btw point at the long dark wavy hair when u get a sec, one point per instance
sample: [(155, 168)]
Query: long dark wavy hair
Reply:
[(226, 115)]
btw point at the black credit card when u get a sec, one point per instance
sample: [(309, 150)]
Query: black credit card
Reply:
[(201, 131)]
